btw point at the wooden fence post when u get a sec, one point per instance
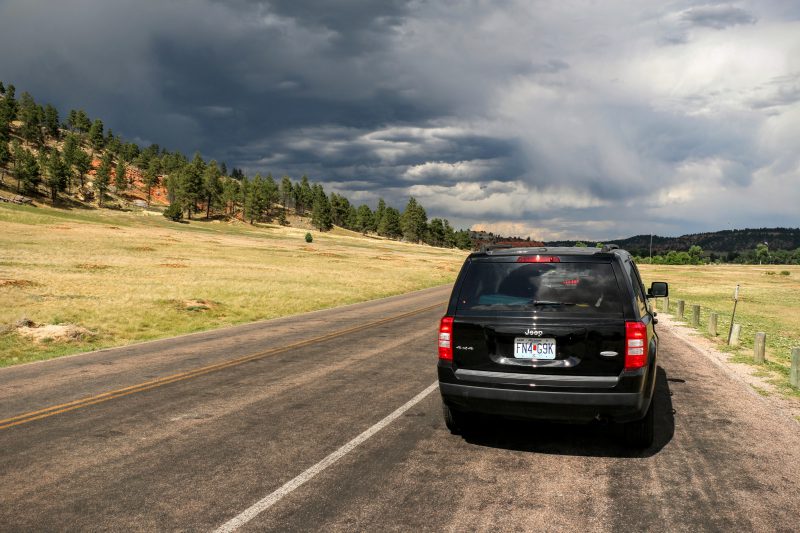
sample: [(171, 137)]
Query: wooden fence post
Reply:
[(666, 304), (737, 329), (794, 371), (680, 309), (695, 315), (759, 347), (712, 324)]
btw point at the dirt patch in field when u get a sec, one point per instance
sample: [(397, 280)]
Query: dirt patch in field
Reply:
[(173, 265), (43, 333), (17, 283), (92, 266), (199, 305), (330, 254), (143, 249)]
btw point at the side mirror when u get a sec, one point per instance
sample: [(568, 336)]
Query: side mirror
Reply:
[(658, 289)]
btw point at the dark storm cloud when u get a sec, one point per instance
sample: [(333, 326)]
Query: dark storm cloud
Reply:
[(539, 117)]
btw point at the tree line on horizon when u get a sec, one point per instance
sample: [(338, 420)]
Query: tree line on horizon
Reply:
[(42, 150)]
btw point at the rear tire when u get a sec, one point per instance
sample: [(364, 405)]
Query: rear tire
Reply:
[(456, 421), (640, 433)]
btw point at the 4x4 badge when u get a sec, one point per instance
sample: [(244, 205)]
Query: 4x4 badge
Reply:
[(538, 333)]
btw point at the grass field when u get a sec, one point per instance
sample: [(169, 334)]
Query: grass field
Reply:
[(133, 276), (769, 301)]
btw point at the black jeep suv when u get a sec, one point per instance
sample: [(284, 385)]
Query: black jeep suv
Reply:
[(563, 334)]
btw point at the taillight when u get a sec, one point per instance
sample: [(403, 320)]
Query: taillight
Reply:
[(538, 259), (635, 345), (445, 338)]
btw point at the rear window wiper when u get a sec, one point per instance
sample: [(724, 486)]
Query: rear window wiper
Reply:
[(537, 303)]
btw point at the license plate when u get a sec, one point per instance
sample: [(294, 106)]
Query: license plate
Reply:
[(526, 348)]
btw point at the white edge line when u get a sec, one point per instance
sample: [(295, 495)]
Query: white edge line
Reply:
[(268, 501)]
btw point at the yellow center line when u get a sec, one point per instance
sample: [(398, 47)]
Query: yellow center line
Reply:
[(181, 376)]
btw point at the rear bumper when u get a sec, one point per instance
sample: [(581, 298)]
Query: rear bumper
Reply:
[(562, 406), (569, 400)]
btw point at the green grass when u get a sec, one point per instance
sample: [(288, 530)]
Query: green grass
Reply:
[(132, 276), (768, 302)]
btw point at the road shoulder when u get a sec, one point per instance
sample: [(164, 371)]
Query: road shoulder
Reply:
[(756, 385)]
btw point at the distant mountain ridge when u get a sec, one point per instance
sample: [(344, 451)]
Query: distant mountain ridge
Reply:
[(720, 242)]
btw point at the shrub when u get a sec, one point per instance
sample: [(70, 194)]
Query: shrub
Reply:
[(309, 237), (770, 272), (174, 212), (785, 273)]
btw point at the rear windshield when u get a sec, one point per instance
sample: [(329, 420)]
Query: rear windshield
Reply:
[(546, 287)]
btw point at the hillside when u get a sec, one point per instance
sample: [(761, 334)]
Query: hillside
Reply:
[(726, 242), (79, 163)]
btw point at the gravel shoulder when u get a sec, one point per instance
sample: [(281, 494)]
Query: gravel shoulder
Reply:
[(758, 386)]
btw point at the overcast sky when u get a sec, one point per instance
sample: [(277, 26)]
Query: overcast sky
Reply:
[(554, 119)]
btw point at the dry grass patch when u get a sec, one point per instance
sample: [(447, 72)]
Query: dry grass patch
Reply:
[(258, 272), (43, 334)]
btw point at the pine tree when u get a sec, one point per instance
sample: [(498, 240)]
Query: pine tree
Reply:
[(212, 186), (413, 221), (8, 106), (306, 196), (151, 177), (51, 122), (321, 210), (286, 195), (351, 221), (103, 178), (83, 122), (26, 169), (82, 164), (297, 197), (254, 199), (390, 224), (96, 137), (31, 129), (71, 148), (435, 233), (340, 208), (72, 120), (192, 184), (57, 172), (113, 143), (449, 235), (5, 157), (463, 240), (5, 125), (378, 215), (269, 193), (230, 196), (365, 218), (121, 176)]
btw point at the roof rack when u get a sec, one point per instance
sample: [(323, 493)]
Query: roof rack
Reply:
[(608, 247)]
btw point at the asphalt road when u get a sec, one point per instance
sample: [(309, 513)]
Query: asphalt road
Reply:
[(192, 432)]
